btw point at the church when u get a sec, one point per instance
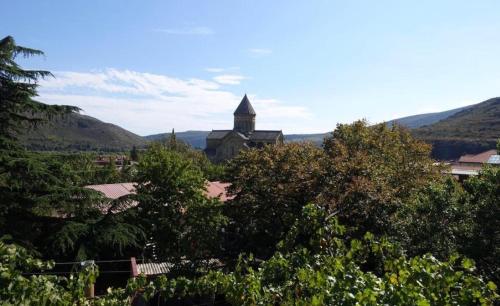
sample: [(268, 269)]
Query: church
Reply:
[(226, 144)]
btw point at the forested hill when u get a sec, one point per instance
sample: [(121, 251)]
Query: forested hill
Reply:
[(81, 133), (473, 129), (417, 121)]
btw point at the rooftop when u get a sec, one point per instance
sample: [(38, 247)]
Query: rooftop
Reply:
[(245, 108), (480, 158)]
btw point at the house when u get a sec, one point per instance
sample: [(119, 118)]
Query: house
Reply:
[(115, 191), (226, 144), (478, 159), (213, 189), (470, 164)]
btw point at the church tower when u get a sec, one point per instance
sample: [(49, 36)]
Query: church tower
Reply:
[(244, 117)]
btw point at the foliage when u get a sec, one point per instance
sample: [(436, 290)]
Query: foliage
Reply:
[(447, 217), (370, 171), (483, 204), (17, 89), (211, 171), (318, 266), (134, 154), (437, 221), (170, 191), (43, 204), (271, 186), (23, 280)]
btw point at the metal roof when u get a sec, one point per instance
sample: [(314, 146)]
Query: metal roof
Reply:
[(494, 159), (245, 108), (464, 172), (114, 191), (157, 268), (154, 268)]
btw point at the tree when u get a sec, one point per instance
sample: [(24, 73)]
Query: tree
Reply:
[(170, 192), (437, 221), (43, 204), (483, 204), (18, 87), (172, 141), (270, 185), (134, 155), (317, 265), (370, 171)]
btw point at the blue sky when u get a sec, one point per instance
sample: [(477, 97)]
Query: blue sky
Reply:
[(151, 66)]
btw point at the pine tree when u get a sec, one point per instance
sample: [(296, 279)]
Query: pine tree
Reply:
[(18, 87), (172, 141), (134, 155), (42, 206)]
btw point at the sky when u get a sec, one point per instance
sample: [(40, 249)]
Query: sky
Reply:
[(150, 66)]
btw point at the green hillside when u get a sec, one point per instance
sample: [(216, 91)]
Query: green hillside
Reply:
[(81, 133), (470, 130), (417, 121)]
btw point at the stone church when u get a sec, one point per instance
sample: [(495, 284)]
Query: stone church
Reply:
[(225, 144)]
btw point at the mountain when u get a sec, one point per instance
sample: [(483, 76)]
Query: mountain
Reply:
[(315, 138), (417, 121), (452, 133), (471, 130), (82, 133)]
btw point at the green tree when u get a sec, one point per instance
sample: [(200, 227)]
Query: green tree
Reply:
[(483, 204), (270, 185), (18, 87), (170, 191), (371, 171), (213, 172), (43, 204), (317, 265), (134, 155), (438, 220)]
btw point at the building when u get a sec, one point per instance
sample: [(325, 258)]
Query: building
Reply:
[(470, 164), (480, 159), (213, 190), (226, 144)]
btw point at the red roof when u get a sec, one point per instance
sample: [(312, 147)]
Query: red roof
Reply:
[(114, 191), (218, 190), (215, 189), (480, 158)]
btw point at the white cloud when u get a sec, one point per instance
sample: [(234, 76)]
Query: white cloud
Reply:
[(219, 69), (148, 103), (215, 70), (260, 51), (229, 79), (187, 31)]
